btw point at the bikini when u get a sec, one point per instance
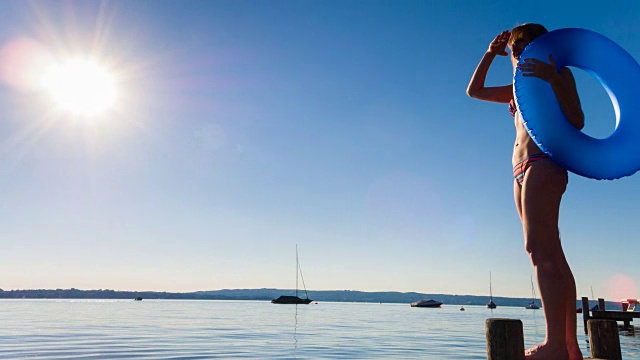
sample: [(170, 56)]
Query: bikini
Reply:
[(520, 168)]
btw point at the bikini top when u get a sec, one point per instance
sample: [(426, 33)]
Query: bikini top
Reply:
[(512, 108)]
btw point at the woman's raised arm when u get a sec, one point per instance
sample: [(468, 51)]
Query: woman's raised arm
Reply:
[(476, 88)]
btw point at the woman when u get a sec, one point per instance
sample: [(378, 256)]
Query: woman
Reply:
[(538, 187)]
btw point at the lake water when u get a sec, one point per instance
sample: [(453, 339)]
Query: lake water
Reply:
[(162, 329)]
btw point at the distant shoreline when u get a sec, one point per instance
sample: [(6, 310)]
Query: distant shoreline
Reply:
[(269, 294)]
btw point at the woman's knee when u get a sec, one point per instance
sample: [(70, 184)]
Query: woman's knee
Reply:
[(537, 253), (543, 247)]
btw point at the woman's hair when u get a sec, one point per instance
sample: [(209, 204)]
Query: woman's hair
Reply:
[(530, 31)]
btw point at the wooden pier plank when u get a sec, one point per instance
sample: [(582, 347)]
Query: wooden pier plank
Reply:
[(614, 315)]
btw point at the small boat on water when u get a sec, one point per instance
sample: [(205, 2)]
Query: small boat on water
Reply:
[(138, 299), (287, 299), (491, 304), (429, 303), (532, 305)]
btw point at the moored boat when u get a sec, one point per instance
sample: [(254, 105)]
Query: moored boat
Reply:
[(491, 304), (532, 305), (430, 303), (287, 299)]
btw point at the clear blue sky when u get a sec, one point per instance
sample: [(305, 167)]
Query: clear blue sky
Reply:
[(246, 127)]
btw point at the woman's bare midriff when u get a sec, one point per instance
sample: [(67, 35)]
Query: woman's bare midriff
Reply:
[(524, 145)]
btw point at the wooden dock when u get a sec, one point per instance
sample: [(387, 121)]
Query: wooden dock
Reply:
[(505, 340), (625, 316)]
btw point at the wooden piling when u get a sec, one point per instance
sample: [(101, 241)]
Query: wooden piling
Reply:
[(585, 313), (604, 340), (505, 339)]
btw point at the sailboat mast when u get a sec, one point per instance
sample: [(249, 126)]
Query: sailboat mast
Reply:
[(297, 265), (533, 292), (490, 290)]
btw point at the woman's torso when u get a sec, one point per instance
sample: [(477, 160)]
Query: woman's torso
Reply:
[(524, 145)]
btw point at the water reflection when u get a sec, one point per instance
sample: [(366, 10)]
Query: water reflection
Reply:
[(537, 325), (295, 331)]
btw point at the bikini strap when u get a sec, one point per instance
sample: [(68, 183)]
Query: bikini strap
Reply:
[(512, 108)]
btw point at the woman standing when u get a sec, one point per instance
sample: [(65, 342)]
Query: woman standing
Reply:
[(538, 186)]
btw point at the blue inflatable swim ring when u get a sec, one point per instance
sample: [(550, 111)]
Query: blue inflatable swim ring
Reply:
[(619, 73)]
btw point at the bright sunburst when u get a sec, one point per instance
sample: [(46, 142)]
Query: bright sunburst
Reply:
[(81, 87)]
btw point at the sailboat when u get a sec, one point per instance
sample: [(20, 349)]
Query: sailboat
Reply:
[(532, 305), (491, 304), (595, 307), (287, 299)]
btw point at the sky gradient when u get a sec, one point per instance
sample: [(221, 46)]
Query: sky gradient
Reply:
[(244, 128)]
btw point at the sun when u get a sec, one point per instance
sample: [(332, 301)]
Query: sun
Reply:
[(81, 87)]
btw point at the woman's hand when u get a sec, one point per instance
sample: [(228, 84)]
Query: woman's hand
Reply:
[(562, 83), (499, 45), (540, 69)]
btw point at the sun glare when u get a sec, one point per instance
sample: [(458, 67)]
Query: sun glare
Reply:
[(81, 87)]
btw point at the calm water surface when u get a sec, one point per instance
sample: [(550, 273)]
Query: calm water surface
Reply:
[(161, 329)]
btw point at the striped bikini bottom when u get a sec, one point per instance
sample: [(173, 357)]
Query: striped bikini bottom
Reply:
[(520, 168)]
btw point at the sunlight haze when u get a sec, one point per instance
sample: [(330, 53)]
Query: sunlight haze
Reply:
[(229, 131)]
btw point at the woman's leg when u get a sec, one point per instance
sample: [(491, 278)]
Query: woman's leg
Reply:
[(571, 318), (541, 193), (517, 196)]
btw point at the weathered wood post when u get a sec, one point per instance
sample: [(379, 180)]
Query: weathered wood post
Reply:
[(505, 339), (601, 304), (585, 313), (604, 340)]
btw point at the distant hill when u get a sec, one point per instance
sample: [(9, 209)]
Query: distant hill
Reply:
[(268, 294), (387, 297), (113, 294)]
